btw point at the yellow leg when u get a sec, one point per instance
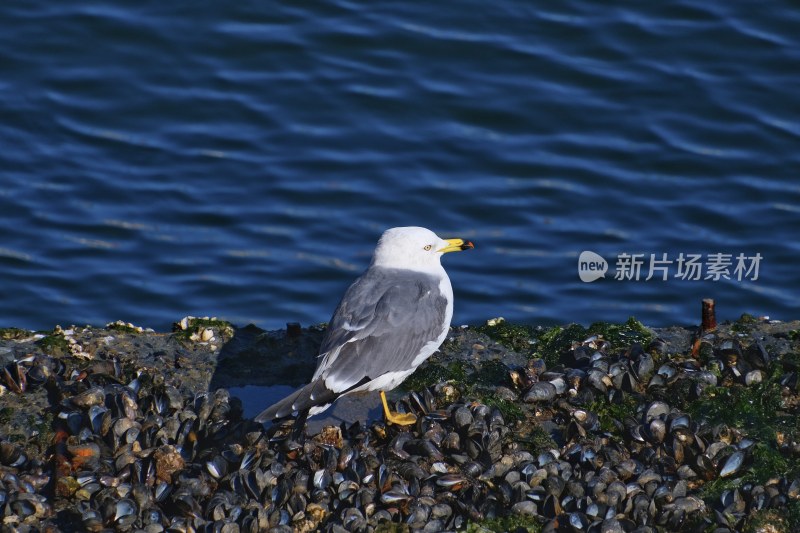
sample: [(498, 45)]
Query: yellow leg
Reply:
[(401, 419)]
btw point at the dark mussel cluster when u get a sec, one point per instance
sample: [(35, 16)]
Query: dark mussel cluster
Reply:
[(119, 456), (647, 469), (25, 473), (142, 455)]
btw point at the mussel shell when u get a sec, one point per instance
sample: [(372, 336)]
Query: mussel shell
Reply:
[(13, 375), (125, 512), (732, 464), (395, 497), (450, 481), (90, 397), (657, 430), (322, 479), (462, 417), (541, 391), (217, 466)]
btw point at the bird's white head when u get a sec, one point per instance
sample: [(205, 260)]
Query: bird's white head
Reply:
[(414, 248)]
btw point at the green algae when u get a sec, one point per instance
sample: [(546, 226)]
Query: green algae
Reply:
[(554, 343), (769, 462), (610, 414), (54, 344), (536, 438), (745, 324), (122, 327), (471, 380), (792, 515), (9, 334), (773, 520), (36, 430), (512, 411), (466, 375), (791, 360), (41, 428), (516, 337), (756, 411), (551, 345), (712, 490), (222, 325), (752, 409), (392, 527), (433, 372), (511, 523), (195, 325), (622, 335), (491, 373)]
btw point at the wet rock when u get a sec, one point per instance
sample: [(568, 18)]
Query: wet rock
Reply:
[(122, 428)]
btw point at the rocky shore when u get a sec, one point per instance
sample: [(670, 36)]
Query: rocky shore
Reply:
[(612, 428)]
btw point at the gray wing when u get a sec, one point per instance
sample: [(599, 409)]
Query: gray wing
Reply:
[(380, 326)]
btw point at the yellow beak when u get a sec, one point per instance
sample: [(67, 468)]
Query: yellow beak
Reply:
[(456, 245)]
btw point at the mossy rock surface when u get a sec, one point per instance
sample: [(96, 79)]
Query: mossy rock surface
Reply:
[(479, 364), (506, 524), (14, 333)]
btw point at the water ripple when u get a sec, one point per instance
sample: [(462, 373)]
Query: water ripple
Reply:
[(241, 160)]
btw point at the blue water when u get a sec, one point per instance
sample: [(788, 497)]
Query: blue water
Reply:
[(241, 159)]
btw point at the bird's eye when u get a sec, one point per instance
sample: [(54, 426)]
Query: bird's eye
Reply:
[(427, 247)]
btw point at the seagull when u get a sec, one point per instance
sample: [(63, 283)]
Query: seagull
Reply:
[(390, 320)]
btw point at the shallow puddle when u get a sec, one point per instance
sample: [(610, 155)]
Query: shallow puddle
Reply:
[(363, 407)]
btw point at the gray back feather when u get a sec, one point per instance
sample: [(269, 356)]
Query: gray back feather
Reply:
[(381, 324)]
